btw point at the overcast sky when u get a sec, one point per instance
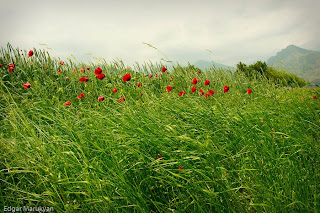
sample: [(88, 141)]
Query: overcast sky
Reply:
[(244, 30)]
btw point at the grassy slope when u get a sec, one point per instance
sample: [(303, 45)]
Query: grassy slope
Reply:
[(239, 152)]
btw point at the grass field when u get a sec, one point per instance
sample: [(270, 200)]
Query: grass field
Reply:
[(156, 152)]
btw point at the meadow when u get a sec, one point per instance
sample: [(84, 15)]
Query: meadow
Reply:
[(244, 146)]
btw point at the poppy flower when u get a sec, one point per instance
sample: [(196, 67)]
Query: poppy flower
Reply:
[(210, 93), (314, 96), (159, 156), (126, 77), (207, 82), (101, 98), (80, 96), (61, 62), (206, 95), (180, 168), (88, 68), (11, 67), (67, 103), (194, 81), (170, 79), (26, 85), (198, 72), (115, 90), (312, 89), (101, 76), (249, 91), (156, 76), (97, 71), (46, 67), (193, 89), (164, 69), (30, 53), (59, 72), (141, 94), (169, 88), (0, 65), (122, 99), (138, 84), (201, 92), (226, 89), (150, 75), (74, 70), (84, 79), (82, 70), (182, 93)]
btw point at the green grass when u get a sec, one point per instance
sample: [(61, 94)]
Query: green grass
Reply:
[(239, 152)]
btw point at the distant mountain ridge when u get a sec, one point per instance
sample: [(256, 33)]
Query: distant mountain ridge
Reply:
[(302, 62), (207, 64)]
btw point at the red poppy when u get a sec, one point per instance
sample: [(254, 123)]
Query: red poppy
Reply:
[(193, 89), (84, 79), (150, 75), (312, 89), (194, 81), (169, 88), (159, 156), (46, 67), (115, 90), (249, 90), (164, 69), (206, 95), (80, 96), (156, 76), (59, 72), (126, 77), (198, 72), (67, 103), (30, 53), (314, 96), (170, 79), (0, 65), (226, 89), (88, 68), (201, 92), (207, 82), (180, 168), (101, 76), (141, 94), (82, 70), (74, 70), (97, 71), (210, 93), (139, 85), (11, 67), (101, 98), (182, 93), (61, 62), (122, 99), (26, 85)]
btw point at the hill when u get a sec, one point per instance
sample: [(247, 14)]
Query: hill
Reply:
[(302, 62), (207, 64)]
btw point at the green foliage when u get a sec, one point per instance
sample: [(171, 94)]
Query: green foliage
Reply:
[(260, 70), (240, 152)]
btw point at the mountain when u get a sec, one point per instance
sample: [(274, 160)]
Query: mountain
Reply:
[(207, 64), (302, 62)]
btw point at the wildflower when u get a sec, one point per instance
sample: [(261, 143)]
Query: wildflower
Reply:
[(141, 94), (169, 88), (226, 89), (314, 96), (201, 92), (164, 69), (207, 82), (180, 168), (30, 53), (26, 85), (82, 70), (122, 99), (138, 84), (126, 77), (150, 75), (74, 70), (101, 76), (194, 81), (67, 103), (84, 79), (170, 79), (11, 67), (101, 98), (59, 72), (159, 156), (249, 90), (67, 78), (199, 72), (80, 96), (0, 65), (156, 76), (97, 71), (193, 89), (182, 93), (88, 68), (115, 90), (46, 67), (312, 89), (61, 62)]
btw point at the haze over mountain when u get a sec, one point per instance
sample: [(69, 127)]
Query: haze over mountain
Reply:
[(207, 64), (302, 62)]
